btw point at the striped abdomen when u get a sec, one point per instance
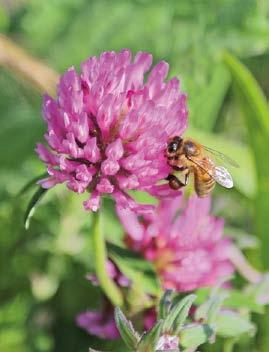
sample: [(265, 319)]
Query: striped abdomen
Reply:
[(203, 182)]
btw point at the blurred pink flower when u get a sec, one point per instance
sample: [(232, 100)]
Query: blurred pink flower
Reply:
[(99, 323), (108, 128), (184, 242), (149, 318), (114, 273)]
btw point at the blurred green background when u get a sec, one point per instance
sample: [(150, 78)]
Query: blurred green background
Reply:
[(42, 278)]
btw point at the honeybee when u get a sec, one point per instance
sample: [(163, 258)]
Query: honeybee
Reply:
[(190, 157)]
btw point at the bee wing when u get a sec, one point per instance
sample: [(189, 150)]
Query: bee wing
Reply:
[(219, 173), (222, 177), (226, 159)]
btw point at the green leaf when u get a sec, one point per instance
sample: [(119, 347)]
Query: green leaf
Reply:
[(209, 310), (250, 90), (231, 324), (133, 266), (259, 292), (256, 113), (235, 300), (35, 200), (215, 307), (238, 299), (177, 315), (255, 110), (242, 239), (195, 335), (165, 304), (150, 339), (183, 313), (31, 184), (137, 300), (4, 18), (126, 330), (205, 111)]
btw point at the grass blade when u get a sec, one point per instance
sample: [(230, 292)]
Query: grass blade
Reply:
[(35, 200)]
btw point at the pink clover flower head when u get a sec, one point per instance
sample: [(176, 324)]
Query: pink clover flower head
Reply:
[(184, 242), (100, 324), (108, 128), (168, 342)]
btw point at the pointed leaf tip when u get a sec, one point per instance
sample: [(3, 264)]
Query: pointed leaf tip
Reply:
[(232, 324), (178, 314), (126, 330), (35, 200), (195, 335), (165, 304), (32, 183), (149, 340)]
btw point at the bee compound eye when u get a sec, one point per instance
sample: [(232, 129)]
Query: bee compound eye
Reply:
[(172, 147)]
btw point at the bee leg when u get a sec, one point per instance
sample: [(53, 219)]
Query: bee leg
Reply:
[(174, 182), (179, 168), (186, 178)]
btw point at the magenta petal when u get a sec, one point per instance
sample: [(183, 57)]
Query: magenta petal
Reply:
[(81, 128), (110, 167), (99, 324), (104, 186), (46, 156), (113, 272), (93, 279), (128, 182), (115, 150), (91, 151), (84, 173), (77, 186), (130, 223), (111, 269), (160, 70), (48, 182), (93, 203), (124, 201), (149, 318), (123, 281), (134, 162), (162, 191), (71, 146)]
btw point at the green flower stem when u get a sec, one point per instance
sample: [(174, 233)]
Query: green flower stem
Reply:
[(244, 267), (22, 64), (100, 257), (229, 345)]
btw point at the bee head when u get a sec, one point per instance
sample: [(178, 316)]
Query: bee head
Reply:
[(173, 146), (190, 149)]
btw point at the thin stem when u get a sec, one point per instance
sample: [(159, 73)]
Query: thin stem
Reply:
[(229, 345), (31, 184), (243, 266), (22, 64), (100, 257)]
